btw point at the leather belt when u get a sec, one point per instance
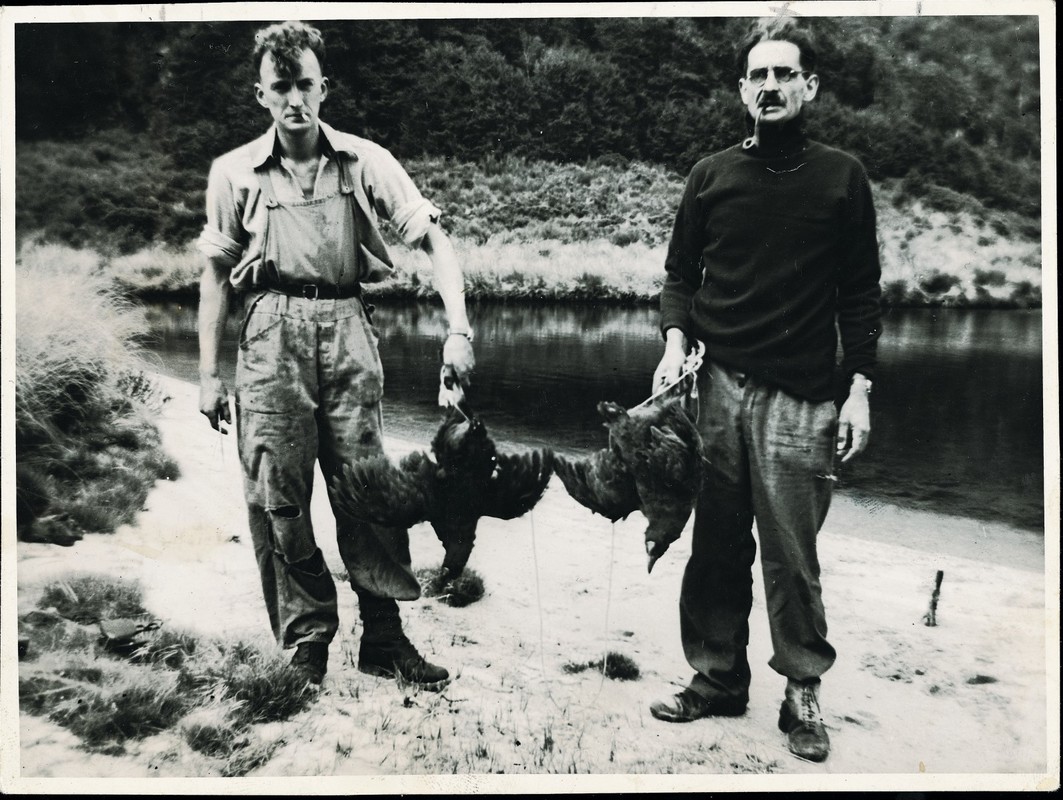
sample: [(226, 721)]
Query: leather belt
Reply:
[(315, 291)]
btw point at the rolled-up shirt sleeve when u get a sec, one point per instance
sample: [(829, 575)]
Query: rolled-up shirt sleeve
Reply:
[(397, 199), (222, 238)]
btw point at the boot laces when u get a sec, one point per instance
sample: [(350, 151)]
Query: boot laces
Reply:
[(808, 706)]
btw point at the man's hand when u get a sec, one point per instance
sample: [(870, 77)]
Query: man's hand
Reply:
[(213, 309), (854, 421), (214, 402), (457, 353), (675, 354), (668, 370)]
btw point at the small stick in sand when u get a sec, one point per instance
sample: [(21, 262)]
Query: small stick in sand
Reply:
[(930, 618)]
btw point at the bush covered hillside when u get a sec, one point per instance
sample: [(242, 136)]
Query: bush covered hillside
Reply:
[(557, 147), (537, 230)]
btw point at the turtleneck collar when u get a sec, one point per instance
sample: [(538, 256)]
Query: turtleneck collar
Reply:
[(778, 140)]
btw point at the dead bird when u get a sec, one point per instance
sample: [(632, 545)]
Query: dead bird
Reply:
[(464, 478), (654, 463)]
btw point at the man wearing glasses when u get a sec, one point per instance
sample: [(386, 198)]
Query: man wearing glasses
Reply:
[(774, 252)]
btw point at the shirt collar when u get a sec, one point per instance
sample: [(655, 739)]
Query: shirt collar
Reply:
[(264, 148)]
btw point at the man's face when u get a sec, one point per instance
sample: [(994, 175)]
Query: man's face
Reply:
[(293, 100), (776, 101)]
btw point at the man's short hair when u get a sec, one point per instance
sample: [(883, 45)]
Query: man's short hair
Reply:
[(286, 41), (776, 29)]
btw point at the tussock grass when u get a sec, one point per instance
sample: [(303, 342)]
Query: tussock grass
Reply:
[(46, 631), (615, 666), (158, 269), (168, 647), (548, 269), (75, 335), (464, 590), (88, 597), (259, 683), (213, 691), (87, 448), (137, 704), (212, 731)]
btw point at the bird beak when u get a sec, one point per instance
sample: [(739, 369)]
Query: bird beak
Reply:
[(451, 392), (652, 556)]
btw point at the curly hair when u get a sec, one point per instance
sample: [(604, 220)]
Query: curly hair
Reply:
[(776, 29), (285, 42)]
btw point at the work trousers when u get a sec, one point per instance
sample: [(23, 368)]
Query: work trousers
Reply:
[(308, 388), (770, 459)]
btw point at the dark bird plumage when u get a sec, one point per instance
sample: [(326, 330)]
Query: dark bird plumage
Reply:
[(654, 463), (464, 479)]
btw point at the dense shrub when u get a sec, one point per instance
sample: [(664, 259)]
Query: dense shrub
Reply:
[(953, 98), (113, 192)]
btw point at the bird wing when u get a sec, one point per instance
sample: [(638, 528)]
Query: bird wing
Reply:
[(601, 482), (517, 484), (374, 490)]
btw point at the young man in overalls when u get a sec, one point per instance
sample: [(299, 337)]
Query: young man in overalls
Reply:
[(292, 222)]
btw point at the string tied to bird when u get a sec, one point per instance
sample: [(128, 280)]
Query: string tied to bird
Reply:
[(686, 382)]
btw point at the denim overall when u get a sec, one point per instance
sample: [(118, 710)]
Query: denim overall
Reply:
[(308, 389)]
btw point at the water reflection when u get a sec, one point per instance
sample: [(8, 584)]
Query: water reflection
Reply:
[(958, 415), (957, 410)]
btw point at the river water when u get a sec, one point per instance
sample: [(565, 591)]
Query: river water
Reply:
[(957, 411)]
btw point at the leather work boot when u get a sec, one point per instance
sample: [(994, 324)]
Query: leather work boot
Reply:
[(799, 719), (399, 659), (688, 705), (311, 661)]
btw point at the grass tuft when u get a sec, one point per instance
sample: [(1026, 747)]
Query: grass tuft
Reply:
[(140, 703), (215, 689), (88, 597), (213, 732), (260, 684), (615, 666), (462, 591), (87, 448)]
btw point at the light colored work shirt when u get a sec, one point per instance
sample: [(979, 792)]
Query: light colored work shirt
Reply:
[(236, 209)]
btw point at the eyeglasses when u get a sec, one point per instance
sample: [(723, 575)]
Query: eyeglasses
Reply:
[(782, 74)]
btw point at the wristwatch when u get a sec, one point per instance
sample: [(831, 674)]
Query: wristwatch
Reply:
[(467, 333)]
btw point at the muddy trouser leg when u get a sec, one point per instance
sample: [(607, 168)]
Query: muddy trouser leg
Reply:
[(352, 427), (716, 594), (277, 438), (791, 452)]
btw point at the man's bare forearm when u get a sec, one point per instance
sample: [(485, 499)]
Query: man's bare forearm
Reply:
[(450, 283), (214, 291), (448, 278)]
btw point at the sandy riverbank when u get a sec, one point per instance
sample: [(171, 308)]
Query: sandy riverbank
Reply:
[(914, 706)]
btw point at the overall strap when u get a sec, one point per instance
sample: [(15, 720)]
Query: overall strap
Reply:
[(264, 181), (346, 184)]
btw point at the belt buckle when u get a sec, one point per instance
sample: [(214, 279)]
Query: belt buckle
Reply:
[(310, 291)]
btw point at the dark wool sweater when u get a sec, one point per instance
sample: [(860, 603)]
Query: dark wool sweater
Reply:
[(772, 246)]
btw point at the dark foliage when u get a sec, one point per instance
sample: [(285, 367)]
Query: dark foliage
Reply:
[(950, 102)]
